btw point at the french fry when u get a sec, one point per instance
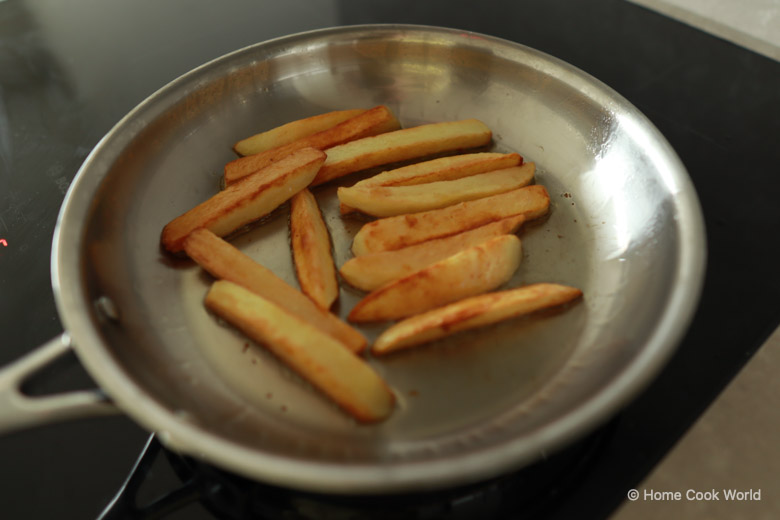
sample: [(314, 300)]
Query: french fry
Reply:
[(388, 201), (224, 261), (442, 169), (401, 231), (292, 131), (371, 271), (401, 145), (472, 271), (444, 239), (248, 200), (347, 379), (470, 313), (311, 250), (371, 122)]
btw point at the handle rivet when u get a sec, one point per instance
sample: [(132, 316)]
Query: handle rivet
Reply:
[(107, 308)]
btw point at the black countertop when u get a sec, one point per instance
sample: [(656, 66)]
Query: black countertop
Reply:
[(70, 71)]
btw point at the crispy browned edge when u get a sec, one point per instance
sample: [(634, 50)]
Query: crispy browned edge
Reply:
[(413, 279), (321, 122), (291, 352), (384, 197), (235, 196), (411, 220), (314, 266), (448, 317), (224, 261), (371, 122), (379, 151)]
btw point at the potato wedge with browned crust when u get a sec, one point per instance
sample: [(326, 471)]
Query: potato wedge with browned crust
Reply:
[(401, 231), (248, 200), (292, 131), (311, 250), (470, 313), (446, 168), (324, 362), (371, 271), (388, 201), (475, 270), (371, 122), (224, 261), (441, 169), (402, 145)]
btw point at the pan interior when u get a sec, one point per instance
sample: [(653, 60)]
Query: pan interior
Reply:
[(619, 216)]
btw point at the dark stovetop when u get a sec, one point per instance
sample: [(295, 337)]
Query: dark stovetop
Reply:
[(70, 70)]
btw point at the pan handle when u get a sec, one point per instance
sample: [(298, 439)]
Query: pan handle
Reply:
[(19, 411)]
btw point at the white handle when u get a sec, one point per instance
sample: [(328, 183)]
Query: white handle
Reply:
[(19, 411)]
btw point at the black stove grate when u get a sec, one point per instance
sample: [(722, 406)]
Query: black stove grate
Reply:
[(530, 493)]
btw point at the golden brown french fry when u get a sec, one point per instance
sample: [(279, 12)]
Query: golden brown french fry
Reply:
[(390, 233), (347, 379), (471, 313), (246, 201), (371, 122), (469, 272), (401, 145), (388, 201), (371, 271), (292, 131), (224, 261), (311, 250), (441, 169)]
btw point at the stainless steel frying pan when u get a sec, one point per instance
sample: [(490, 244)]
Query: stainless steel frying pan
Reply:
[(625, 227)]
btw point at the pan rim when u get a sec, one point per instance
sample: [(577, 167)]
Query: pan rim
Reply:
[(182, 436)]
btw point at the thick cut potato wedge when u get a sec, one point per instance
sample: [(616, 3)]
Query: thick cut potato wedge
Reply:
[(311, 250), (471, 313), (246, 201), (292, 131), (224, 261), (388, 201), (401, 145), (347, 379), (470, 272), (371, 122), (401, 231), (369, 272), (441, 169)]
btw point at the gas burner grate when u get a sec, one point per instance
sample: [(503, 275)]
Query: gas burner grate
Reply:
[(530, 493)]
